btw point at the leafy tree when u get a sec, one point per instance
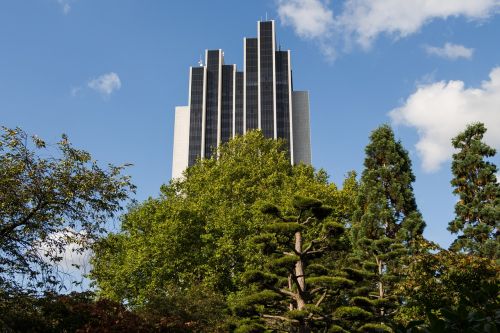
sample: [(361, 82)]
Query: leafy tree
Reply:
[(449, 292), (386, 223), (477, 212), (75, 312), (196, 233), (47, 203), (295, 290)]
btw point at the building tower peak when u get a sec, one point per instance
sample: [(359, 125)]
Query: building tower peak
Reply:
[(224, 102)]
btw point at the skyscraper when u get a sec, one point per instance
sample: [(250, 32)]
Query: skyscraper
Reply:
[(224, 102)]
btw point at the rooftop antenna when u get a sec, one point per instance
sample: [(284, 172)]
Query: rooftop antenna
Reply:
[(200, 62), (266, 16)]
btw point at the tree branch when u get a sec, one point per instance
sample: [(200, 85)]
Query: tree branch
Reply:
[(280, 318), (287, 292), (321, 298)]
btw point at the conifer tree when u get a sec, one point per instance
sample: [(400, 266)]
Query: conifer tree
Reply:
[(385, 224), (295, 290), (478, 210)]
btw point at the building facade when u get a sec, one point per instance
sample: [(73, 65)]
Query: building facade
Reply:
[(225, 102)]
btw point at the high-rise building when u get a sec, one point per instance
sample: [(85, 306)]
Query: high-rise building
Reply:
[(224, 102)]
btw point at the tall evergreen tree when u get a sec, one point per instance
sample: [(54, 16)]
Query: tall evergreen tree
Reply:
[(478, 210), (386, 222)]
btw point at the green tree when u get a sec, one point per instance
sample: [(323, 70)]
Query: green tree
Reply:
[(445, 291), (295, 290), (47, 203), (477, 212), (386, 223), (196, 233)]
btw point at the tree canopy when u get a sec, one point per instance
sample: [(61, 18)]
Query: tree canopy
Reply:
[(247, 242), (49, 202), (197, 231)]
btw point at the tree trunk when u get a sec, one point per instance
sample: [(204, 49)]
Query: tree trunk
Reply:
[(299, 272), (381, 295)]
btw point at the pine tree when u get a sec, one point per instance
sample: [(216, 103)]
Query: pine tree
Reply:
[(478, 210), (386, 223), (296, 289)]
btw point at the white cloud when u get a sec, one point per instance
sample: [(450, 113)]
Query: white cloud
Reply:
[(106, 84), (362, 21), (74, 258), (309, 18), (439, 111), (366, 19), (66, 7), (450, 51)]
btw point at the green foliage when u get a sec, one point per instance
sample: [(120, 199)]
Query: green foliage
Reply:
[(305, 203), (287, 228), (47, 203), (250, 243), (250, 327), (386, 205), (336, 329), (207, 229), (287, 262), (246, 306), (306, 285), (259, 277), (375, 328), (352, 313), (448, 280), (386, 226), (477, 212), (333, 282), (196, 309), (333, 229)]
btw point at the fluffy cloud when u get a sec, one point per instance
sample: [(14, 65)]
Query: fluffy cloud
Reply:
[(106, 84), (309, 18), (439, 111), (366, 19), (450, 51), (362, 21)]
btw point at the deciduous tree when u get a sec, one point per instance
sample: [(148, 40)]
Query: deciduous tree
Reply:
[(48, 202)]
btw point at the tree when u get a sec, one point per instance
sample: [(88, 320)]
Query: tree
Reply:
[(295, 290), (386, 223), (74, 312), (195, 235), (477, 212), (445, 291), (47, 203)]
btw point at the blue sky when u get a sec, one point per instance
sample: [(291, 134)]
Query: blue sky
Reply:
[(109, 74)]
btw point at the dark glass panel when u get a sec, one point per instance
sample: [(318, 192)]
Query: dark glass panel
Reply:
[(282, 97), (212, 101), (196, 114), (238, 116), (266, 78), (227, 103), (251, 71)]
